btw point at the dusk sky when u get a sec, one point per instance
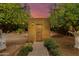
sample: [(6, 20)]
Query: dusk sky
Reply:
[(39, 10)]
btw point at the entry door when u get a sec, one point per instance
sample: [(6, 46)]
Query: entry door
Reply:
[(38, 32)]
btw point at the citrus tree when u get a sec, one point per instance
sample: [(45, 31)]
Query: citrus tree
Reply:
[(12, 17), (66, 19)]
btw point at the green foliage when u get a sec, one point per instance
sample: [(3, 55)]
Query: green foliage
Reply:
[(19, 30), (51, 46), (50, 43), (64, 17), (12, 17), (55, 52), (25, 50), (30, 47)]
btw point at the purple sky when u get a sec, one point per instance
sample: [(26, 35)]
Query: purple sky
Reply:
[(39, 10)]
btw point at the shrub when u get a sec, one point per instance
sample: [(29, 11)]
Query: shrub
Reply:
[(25, 50), (54, 52), (30, 47), (51, 46), (50, 43)]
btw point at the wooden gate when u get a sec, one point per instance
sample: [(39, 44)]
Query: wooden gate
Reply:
[(38, 32), (38, 29)]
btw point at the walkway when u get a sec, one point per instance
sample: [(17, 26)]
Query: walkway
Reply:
[(39, 50)]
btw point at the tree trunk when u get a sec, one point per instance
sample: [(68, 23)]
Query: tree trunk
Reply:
[(76, 35)]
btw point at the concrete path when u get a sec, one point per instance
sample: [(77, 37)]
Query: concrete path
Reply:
[(39, 50)]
